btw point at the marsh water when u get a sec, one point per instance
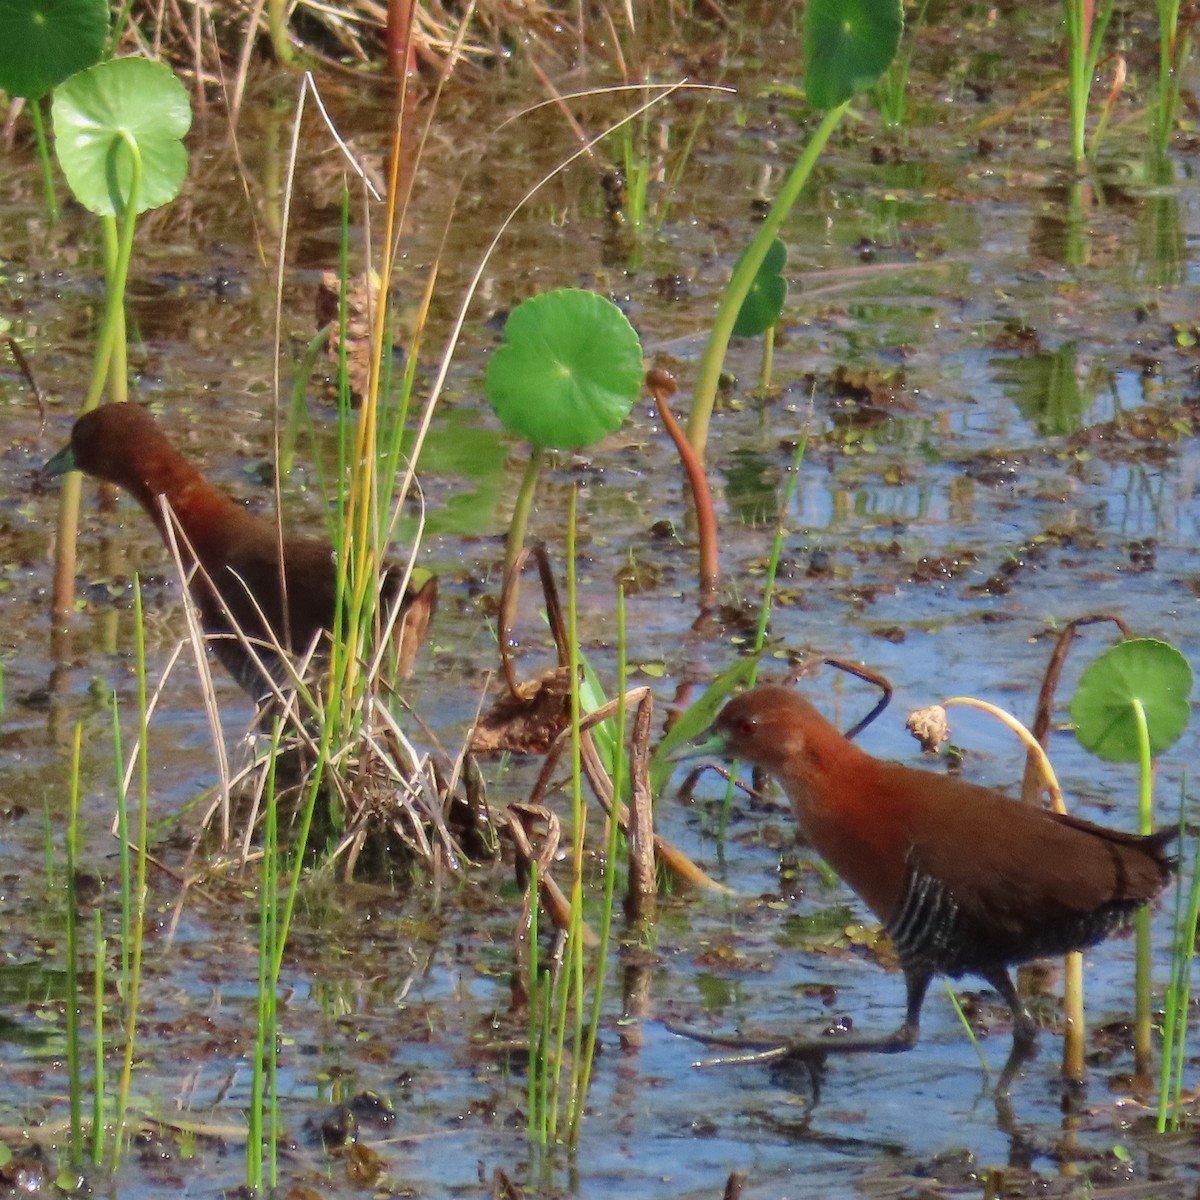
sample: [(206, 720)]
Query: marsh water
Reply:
[(995, 363)]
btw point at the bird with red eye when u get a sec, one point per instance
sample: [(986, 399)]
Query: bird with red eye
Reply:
[(275, 592), (963, 879)]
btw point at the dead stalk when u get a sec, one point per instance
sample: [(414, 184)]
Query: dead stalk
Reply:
[(643, 882), (1031, 781)]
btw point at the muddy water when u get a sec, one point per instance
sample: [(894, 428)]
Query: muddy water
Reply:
[(995, 367)]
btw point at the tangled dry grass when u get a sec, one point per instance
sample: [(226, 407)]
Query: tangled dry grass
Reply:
[(208, 37)]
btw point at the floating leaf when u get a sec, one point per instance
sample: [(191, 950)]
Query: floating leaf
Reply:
[(98, 112), (1143, 669), (42, 42), (848, 45), (569, 372), (764, 301)]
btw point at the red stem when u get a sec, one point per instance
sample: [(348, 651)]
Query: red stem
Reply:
[(401, 51), (706, 519)]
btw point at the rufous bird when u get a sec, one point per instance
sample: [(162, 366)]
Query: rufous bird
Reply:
[(240, 581), (963, 879)]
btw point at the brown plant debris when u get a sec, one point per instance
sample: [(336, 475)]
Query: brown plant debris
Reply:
[(528, 720), (362, 300), (866, 386), (929, 726)]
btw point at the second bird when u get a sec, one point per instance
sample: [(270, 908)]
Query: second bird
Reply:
[(238, 551), (965, 880)]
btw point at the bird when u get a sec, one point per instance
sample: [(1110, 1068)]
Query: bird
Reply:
[(962, 878), (239, 583)]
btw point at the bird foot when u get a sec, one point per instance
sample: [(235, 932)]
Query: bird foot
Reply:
[(750, 1050), (753, 1050)]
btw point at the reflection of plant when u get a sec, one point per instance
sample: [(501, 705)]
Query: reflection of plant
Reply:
[(847, 46), (1162, 231), (1047, 390)]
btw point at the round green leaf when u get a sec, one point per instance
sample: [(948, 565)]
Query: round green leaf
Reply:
[(44, 41), (99, 111), (1143, 669), (764, 301), (569, 372), (848, 44)]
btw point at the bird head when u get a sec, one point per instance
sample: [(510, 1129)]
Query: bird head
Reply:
[(107, 442), (768, 726)]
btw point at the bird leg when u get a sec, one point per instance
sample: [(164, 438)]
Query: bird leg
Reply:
[(916, 982), (1025, 1030), (758, 1051)]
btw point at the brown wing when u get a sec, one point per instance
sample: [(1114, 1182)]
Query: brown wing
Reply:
[(1017, 882)]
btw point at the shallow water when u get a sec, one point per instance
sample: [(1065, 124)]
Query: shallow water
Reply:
[(940, 533)]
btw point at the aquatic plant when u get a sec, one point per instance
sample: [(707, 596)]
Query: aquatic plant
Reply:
[(558, 999), (118, 130), (645, 160), (71, 952), (1131, 704), (891, 91), (1085, 32), (1177, 1006), (566, 376), (763, 306), (263, 1119), (132, 777), (661, 385), (847, 45), (107, 1136), (40, 46), (1174, 48), (118, 134)]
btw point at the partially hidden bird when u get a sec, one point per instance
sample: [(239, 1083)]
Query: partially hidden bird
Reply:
[(277, 593), (963, 879)]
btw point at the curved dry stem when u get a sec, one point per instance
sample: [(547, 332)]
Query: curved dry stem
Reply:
[(867, 676), (661, 386), (1031, 743), (1044, 713)]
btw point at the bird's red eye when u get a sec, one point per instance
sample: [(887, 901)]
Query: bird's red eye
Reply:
[(746, 726)]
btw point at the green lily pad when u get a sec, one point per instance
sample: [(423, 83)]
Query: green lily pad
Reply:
[(848, 45), (42, 42), (98, 112), (1143, 669), (569, 372), (764, 301)]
